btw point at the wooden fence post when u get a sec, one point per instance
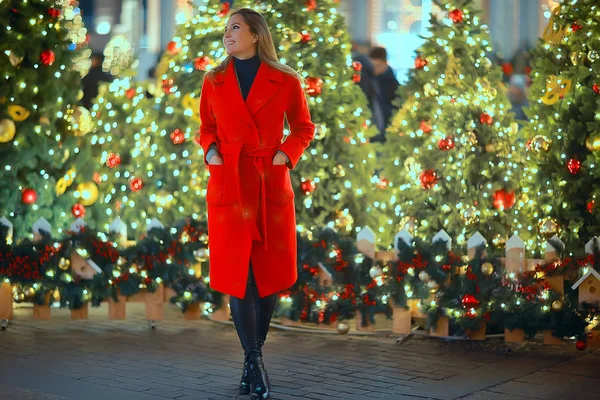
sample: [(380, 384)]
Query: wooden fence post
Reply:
[(515, 255)]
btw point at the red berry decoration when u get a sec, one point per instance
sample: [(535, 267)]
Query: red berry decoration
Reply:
[(97, 178), (486, 118), (574, 166), (575, 27), (47, 57), (311, 5), (596, 88), (314, 86), (456, 15), (173, 48), (428, 179), (581, 345), (469, 301), (136, 184), (78, 210), (383, 183), (356, 78), (308, 187), (177, 136), (28, 196), (425, 127), (508, 69), (113, 160), (590, 206), (503, 200), (446, 144), (306, 38), (420, 63), (167, 85), (201, 63), (357, 66), (54, 12), (225, 8), (130, 93)]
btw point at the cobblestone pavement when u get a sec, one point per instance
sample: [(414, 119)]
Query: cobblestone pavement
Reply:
[(100, 359)]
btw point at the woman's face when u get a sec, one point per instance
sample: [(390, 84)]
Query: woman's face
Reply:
[(239, 41)]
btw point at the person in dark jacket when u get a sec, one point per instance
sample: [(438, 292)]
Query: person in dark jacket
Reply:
[(92, 80), (387, 85)]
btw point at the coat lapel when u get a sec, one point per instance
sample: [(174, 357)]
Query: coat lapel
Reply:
[(232, 96), (264, 87)]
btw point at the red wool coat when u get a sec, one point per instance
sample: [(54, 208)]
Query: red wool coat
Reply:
[(250, 201)]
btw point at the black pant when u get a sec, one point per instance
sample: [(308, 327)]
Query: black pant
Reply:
[(252, 316)]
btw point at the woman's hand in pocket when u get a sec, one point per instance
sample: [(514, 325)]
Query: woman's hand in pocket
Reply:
[(279, 159), (215, 160)]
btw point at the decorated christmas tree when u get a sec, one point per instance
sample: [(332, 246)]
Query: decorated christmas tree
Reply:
[(42, 143), (334, 182), (563, 134), (451, 149)]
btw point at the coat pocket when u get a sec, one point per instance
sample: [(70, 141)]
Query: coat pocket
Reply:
[(279, 184), (221, 188)]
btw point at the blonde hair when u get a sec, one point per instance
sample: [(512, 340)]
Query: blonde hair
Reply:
[(265, 49)]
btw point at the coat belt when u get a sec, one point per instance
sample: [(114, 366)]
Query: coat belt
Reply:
[(258, 232)]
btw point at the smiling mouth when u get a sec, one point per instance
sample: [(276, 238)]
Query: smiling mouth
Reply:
[(228, 43)]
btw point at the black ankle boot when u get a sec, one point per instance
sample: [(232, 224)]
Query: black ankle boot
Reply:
[(259, 390), (260, 345), (245, 381)]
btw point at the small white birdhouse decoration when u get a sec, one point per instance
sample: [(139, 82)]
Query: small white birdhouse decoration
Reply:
[(588, 287)]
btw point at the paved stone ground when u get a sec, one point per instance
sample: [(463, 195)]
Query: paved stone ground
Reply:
[(100, 359)]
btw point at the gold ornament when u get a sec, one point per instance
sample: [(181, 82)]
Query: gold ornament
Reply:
[(18, 113), (424, 276), (433, 286), (44, 120), (88, 193), (487, 269), (14, 59), (548, 227), (28, 291), (18, 294), (375, 271), (80, 95), (408, 223), (339, 171), (344, 220), (66, 155), (575, 57), (539, 143), (593, 143), (296, 37), (557, 305), (82, 122), (343, 328), (498, 240), (70, 176), (556, 87), (201, 255), (553, 34), (7, 130), (468, 215), (64, 264), (61, 187)]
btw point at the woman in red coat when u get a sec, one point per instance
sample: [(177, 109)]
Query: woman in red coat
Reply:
[(251, 217)]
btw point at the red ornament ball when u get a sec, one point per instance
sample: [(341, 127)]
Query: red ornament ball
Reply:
[(356, 78), (469, 301), (383, 183), (590, 206), (503, 200), (575, 27), (306, 38), (314, 86), (357, 66), (508, 69), (596, 88), (47, 57), (486, 118), (225, 8), (173, 48), (136, 184), (311, 5), (420, 63), (581, 345), (177, 136), (456, 15), (78, 210), (200, 63), (113, 160), (167, 85), (130, 93), (425, 127), (28, 196), (446, 144), (428, 179), (308, 187), (574, 166), (54, 12)]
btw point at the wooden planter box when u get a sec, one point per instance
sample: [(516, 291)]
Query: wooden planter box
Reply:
[(514, 336), (6, 301), (594, 340), (169, 293), (117, 309), (155, 304), (222, 314), (478, 334), (80, 313), (552, 340), (42, 312), (401, 320), (442, 327), (368, 328), (413, 305), (193, 312)]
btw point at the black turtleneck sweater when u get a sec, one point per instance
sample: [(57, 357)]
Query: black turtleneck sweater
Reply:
[(246, 71)]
